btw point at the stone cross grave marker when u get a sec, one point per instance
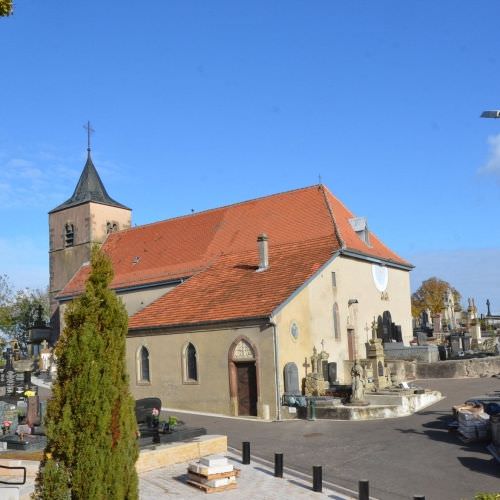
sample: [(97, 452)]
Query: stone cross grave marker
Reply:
[(291, 374), (306, 365), (455, 345)]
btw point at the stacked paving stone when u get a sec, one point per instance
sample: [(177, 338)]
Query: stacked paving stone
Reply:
[(473, 422), (212, 474)]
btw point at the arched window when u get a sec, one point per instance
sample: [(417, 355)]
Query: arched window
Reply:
[(336, 322), (144, 375), (191, 364), (69, 235), (111, 227)]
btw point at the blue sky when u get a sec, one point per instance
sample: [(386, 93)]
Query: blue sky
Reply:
[(198, 104)]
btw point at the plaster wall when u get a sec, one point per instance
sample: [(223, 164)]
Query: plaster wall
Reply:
[(102, 214), (212, 391), (311, 309), (135, 300)]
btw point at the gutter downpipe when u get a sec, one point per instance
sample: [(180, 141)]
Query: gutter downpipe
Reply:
[(276, 368)]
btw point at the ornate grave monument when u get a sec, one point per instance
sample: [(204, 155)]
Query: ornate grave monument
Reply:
[(315, 383)]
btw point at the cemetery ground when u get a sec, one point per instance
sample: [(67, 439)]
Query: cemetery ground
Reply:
[(401, 457)]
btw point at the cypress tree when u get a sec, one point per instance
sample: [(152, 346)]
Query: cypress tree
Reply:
[(90, 423)]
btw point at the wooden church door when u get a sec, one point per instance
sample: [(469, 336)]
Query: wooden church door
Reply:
[(247, 388)]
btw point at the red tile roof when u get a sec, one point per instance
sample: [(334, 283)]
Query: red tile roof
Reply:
[(214, 248), (231, 288)]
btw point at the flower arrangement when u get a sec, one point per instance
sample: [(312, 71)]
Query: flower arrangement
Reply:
[(29, 393), (155, 413), (6, 426)]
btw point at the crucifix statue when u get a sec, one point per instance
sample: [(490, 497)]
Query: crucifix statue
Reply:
[(89, 130), (322, 344)]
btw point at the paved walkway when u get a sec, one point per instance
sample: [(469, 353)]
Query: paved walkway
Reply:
[(256, 481)]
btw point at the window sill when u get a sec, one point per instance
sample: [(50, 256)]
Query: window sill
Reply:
[(191, 382), (143, 382)]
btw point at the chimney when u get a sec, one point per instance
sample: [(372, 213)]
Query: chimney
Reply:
[(263, 252)]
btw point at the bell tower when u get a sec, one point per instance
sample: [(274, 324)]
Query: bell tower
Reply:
[(75, 225)]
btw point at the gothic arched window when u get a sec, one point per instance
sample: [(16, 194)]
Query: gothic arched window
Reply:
[(191, 363), (69, 235), (144, 375), (336, 321)]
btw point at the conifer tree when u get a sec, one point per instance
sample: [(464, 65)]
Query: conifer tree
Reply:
[(91, 428)]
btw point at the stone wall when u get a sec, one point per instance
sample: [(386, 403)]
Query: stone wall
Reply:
[(462, 368), (424, 353)]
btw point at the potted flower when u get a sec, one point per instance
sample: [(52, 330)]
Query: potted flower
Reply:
[(156, 417), (6, 426)]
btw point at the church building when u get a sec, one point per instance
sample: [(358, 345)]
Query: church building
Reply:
[(220, 301)]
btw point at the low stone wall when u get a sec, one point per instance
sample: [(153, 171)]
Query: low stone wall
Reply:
[(183, 451), (460, 368), (381, 406)]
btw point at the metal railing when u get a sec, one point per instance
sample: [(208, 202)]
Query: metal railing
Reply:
[(13, 483)]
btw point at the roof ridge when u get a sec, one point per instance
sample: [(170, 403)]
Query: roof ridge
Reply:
[(178, 217), (336, 229)]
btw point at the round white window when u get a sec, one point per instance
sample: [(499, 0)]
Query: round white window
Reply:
[(380, 277)]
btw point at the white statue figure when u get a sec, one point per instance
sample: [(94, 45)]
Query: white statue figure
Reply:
[(45, 356), (358, 387), (53, 366)]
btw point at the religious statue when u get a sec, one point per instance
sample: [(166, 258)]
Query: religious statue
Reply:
[(358, 387), (45, 355), (53, 366)]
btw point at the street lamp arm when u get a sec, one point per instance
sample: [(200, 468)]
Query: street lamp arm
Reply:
[(491, 114)]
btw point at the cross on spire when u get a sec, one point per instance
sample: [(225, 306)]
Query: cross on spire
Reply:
[(89, 130)]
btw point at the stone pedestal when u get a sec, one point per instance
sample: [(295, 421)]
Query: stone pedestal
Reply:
[(436, 323), (375, 354), (475, 333)]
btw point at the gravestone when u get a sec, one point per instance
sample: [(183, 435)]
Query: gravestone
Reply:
[(421, 338), (10, 374), (324, 368), (332, 373), (399, 334), (19, 382), (466, 342), (8, 412), (42, 411), (144, 408), (10, 382), (33, 417), (455, 345), (291, 374)]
